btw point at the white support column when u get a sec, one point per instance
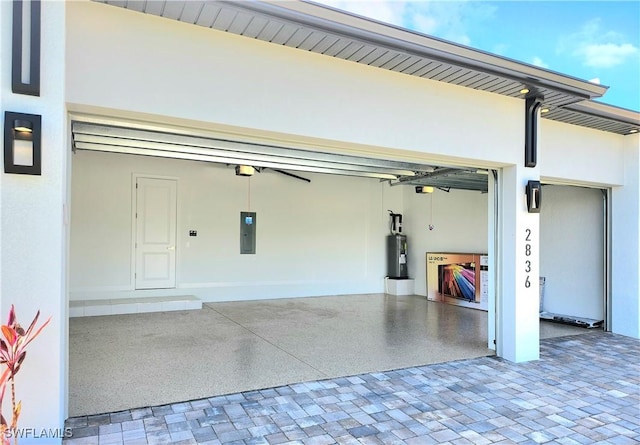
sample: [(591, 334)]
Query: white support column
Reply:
[(518, 253), (625, 245), (33, 234)]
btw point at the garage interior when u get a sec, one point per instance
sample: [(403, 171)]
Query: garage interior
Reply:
[(231, 346), (322, 213)]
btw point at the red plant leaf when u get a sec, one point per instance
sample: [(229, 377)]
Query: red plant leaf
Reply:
[(32, 337), (3, 384), (12, 316), (33, 323), (9, 334), (18, 364)]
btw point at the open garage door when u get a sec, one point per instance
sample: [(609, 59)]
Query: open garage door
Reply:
[(321, 226), (174, 145), (573, 260)]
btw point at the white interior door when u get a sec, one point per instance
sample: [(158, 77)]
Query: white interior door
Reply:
[(155, 233)]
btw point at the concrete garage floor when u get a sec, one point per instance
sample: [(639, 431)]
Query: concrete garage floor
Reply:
[(122, 362)]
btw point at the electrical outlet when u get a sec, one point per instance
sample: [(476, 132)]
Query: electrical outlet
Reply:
[(193, 233)]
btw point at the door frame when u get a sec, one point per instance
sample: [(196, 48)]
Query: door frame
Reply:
[(494, 315), (134, 208), (606, 196)]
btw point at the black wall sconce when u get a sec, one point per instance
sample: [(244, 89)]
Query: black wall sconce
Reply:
[(22, 143), (534, 196), (30, 46)]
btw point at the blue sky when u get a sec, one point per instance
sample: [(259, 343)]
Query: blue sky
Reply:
[(591, 40)]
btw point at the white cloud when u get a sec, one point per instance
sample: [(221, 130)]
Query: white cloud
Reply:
[(425, 24), (385, 11), (595, 80), (442, 19), (449, 20), (606, 55), (537, 61), (598, 48), (500, 49)]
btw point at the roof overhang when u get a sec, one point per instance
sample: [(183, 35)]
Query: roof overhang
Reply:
[(331, 32), (331, 21)]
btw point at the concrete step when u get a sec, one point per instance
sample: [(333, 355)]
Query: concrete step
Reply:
[(89, 308)]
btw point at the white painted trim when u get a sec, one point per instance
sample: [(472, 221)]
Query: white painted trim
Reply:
[(493, 207), (253, 283), (90, 289), (544, 180), (498, 265), (608, 236), (134, 206)]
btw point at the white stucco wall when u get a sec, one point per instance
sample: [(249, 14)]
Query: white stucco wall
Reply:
[(218, 80), (320, 238), (32, 231), (625, 267), (460, 225), (517, 254), (572, 251), (159, 70), (249, 89), (580, 156)]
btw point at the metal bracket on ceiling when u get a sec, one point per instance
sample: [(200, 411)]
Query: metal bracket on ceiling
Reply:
[(437, 172), (282, 172)]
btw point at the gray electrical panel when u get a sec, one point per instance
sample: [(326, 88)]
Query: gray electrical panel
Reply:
[(397, 256), (247, 232)]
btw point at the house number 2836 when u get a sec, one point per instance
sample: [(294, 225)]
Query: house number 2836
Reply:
[(527, 263)]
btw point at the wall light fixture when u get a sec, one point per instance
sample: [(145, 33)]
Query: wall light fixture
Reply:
[(22, 143)]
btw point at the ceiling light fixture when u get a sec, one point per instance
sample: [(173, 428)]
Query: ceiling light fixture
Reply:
[(544, 110), (633, 130), (245, 170), (524, 91), (424, 189)]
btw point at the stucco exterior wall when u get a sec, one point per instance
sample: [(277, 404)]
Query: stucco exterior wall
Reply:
[(101, 59), (625, 245), (325, 237), (33, 231), (218, 80), (575, 155)]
